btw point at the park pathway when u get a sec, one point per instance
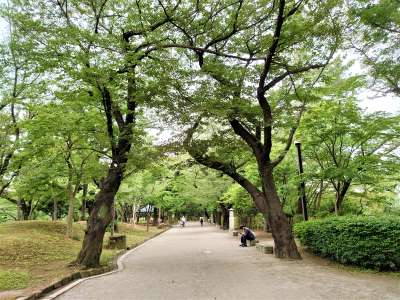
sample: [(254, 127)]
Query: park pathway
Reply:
[(206, 263)]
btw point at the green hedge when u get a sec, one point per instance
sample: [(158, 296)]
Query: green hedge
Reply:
[(372, 242)]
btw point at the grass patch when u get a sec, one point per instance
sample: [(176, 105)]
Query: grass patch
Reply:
[(34, 254), (13, 280), (8, 211)]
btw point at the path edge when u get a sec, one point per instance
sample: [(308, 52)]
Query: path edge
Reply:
[(65, 284)]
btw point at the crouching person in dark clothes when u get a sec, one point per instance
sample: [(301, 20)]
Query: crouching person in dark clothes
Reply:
[(246, 235)]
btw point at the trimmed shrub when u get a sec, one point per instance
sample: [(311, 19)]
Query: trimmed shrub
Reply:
[(371, 242)]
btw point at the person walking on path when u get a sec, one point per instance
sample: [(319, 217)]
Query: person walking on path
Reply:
[(183, 221), (246, 235), (201, 221)]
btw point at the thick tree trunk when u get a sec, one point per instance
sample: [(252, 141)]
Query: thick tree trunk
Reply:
[(99, 219), (285, 246)]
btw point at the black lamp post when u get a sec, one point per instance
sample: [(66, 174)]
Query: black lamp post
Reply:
[(302, 184)]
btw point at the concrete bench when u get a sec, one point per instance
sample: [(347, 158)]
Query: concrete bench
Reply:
[(252, 243), (265, 249), (117, 242)]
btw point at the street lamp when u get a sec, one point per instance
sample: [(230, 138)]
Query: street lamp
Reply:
[(302, 184)]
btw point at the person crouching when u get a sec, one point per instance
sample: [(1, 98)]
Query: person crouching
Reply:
[(246, 235)]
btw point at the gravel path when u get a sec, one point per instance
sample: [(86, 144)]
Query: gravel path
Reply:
[(206, 263)]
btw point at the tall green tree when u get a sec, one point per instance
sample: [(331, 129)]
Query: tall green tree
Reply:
[(105, 49), (257, 64), (348, 146)]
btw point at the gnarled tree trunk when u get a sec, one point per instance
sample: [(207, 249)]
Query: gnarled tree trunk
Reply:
[(99, 219), (285, 246)]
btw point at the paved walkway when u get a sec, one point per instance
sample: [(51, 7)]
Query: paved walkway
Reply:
[(206, 263)]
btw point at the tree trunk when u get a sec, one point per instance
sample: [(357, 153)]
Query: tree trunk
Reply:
[(285, 246), (340, 195), (71, 201), (55, 209), (267, 227), (84, 195), (226, 219), (112, 229), (31, 209), (20, 215), (134, 215), (148, 221), (155, 216), (218, 218), (99, 219)]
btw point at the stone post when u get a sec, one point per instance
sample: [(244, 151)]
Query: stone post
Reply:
[(231, 220)]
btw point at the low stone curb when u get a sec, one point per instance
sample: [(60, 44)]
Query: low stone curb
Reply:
[(86, 274)]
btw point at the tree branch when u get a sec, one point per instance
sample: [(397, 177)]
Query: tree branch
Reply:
[(228, 169), (279, 78), (247, 136)]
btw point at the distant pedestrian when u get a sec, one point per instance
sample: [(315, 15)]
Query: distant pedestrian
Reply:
[(201, 221), (247, 235), (183, 221)]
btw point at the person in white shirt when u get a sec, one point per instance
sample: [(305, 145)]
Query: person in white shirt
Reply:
[(183, 221)]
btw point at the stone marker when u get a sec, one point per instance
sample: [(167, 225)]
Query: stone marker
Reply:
[(117, 242), (231, 220)]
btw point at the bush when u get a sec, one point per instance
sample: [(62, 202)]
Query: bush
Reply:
[(372, 242)]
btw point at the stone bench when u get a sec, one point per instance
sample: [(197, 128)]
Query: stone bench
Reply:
[(117, 242), (251, 243), (265, 249)]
